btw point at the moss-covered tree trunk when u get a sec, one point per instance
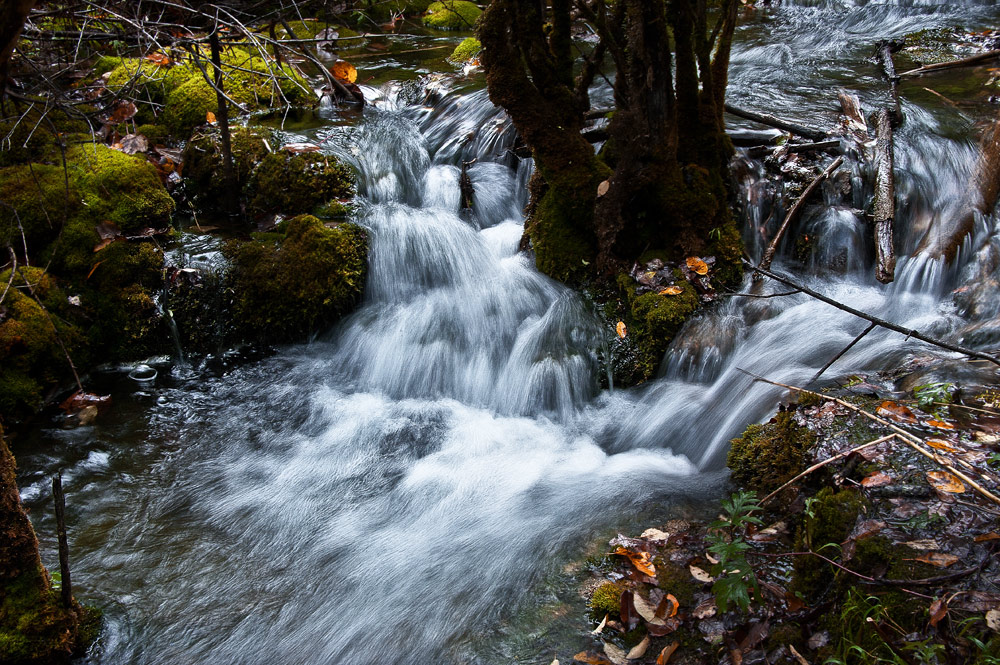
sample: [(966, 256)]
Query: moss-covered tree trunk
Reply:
[(12, 16), (34, 627), (665, 161)]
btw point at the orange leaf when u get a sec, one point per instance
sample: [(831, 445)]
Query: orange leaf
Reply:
[(697, 265), (667, 652), (93, 269), (877, 479), (210, 118), (591, 659), (668, 606), (897, 412), (940, 424), (941, 445), (620, 329), (671, 290), (641, 560), (987, 536), (159, 59), (945, 482), (344, 71), (938, 559)]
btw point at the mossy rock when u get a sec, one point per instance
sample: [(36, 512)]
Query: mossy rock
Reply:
[(119, 188), (466, 51), (606, 599), (294, 184), (652, 320), (30, 138), (38, 202), (769, 455), (452, 15), (294, 284), (833, 517), (188, 106), (203, 166)]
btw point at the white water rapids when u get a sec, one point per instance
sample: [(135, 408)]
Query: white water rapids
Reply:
[(397, 490)]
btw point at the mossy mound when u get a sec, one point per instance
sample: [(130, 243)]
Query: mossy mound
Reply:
[(466, 51), (769, 455), (203, 166), (452, 15), (828, 521), (606, 599), (38, 201), (291, 284), (293, 184), (29, 137), (652, 320)]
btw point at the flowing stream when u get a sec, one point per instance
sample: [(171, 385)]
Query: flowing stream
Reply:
[(408, 487)]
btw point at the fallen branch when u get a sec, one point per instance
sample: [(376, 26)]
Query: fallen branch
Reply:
[(884, 211), (909, 439), (796, 210), (832, 145), (829, 460), (874, 319), (951, 64), (884, 52), (771, 121), (839, 355)]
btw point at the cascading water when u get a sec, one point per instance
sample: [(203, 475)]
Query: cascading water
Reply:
[(394, 491)]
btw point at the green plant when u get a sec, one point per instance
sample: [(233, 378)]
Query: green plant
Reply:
[(734, 576), (930, 396)]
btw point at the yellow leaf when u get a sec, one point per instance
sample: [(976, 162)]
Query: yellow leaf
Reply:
[(620, 329), (945, 482), (210, 118), (641, 560), (697, 265), (671, 290), (344, 71)]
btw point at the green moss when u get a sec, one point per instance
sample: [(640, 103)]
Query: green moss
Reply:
[(833, 517), (652, 321), (120, 188), (33, 137), (294, 184), (467, 50), (769, 455), (606, 599), (286, 290), (188, 105), (203, 168), (155, 134), (726, 245), (38, 202), (677, 580), (452, 15)]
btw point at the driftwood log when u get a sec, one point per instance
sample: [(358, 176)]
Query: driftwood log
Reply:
[(771, 121), (884, 52), (952, 64), (884, 212)]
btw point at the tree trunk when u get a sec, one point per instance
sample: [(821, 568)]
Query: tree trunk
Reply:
[(14, 13)]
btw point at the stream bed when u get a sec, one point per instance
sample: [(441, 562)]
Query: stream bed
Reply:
[(421, 483)]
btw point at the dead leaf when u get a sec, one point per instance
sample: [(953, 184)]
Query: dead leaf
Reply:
[(93, 269), (591, 659), (705, 609), (667, 652), (621, 330), (758, 633), (938, 611), (798, 656), (793, 602), (938, 559), (659, 628), (671, 290), (975, 601), (603, 188), (993, 620), (697, 266), (159, 59), (122, 112), (945, 482), (941, 445), (344, 71), (639, 650), (298, 148), (701, 575), (668, 606), (986, 536), (644, 608), (898, 412), (81, 400), (132, 144), (600, 626), (629, 615), (877, 479), (655, 535), (614, 654), (210, 118), (940, 424), (641, 560)]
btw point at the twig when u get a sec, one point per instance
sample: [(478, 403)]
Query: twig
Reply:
[(907, 438), (764, 295), (771, 121), (829, 460), (842, 352), (874, 319), (796, 210), (963, 62)]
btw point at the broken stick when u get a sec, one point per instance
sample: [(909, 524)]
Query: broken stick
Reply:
[(796, 211), (884, 52), (884, 211), (951, 64), (771, 121)]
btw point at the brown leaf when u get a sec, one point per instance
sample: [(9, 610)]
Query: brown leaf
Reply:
[(793, 602), (664, 627), (757, 634), (639, 650), (616, 655), (591, 659), (159, 59), (705, 609), (945, 482), (603, 188), (667, 652), (986, 537), (938, 559), (600, 626), (641, 560), (629, 616), (701, 575), (877, 479), (344, 71), (621, 329), (668, 606), (941, 445), (132, 144), (940, 424), (122, 112), (938, 611), (975, 601), (671, 290), (81, 400), (897, 412), (644, 608), (697, 266), (993, 620)]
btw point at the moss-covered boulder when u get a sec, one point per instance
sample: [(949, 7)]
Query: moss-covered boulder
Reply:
[(38, 201), (203, 167), (769, 455), (293, 283), (298, 183), (28, 137), (31, 359), (652, 319), (452, 15), (468, 49), (830, 516)]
